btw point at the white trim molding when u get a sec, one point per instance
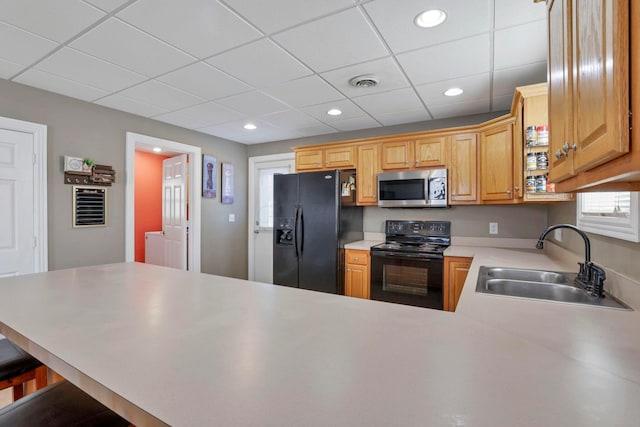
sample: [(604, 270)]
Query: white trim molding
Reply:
[(195, 190), (624, 228), (252, 199), (39, 132)]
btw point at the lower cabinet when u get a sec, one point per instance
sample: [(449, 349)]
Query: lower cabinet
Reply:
[(455, 273), (356, 283)]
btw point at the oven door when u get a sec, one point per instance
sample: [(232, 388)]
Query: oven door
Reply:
[(406, 278)]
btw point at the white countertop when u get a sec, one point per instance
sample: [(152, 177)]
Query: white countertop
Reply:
[(185, 349)]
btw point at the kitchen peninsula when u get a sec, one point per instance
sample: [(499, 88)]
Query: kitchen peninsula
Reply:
[(166, 347)]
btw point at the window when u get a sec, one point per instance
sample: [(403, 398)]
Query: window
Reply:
[(614, 214)]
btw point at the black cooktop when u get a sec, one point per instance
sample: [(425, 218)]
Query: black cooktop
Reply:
[(416, 236)]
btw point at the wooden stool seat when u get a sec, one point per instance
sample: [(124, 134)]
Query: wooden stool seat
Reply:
[(17, 367)]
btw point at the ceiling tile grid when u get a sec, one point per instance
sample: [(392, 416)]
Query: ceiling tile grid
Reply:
[(213, 65)]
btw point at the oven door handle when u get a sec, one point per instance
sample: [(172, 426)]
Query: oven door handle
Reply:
[(425, 257)]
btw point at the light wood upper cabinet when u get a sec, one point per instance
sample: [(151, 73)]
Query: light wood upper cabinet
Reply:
[(455, 274), (307, 160), (589, 88), (357, 282), (368, 166), (430, 151), (463, 177), (496, 163), (337, 157), (397, 155), (340, 157)]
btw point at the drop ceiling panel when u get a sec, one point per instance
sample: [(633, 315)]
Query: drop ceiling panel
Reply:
[(475, 88), (21, 47), (161, 95), (289, 12), (122, 103), (459, 109), (390, 102), (199, 27), (321, 129), (205, 81), (395, 19), (348, 108), (305, 91), (336, 41), (124, 45), (253, 104), (514, 46), (400, 117), (59, 85), (8, 68), (355, 123), (199, 116), (260, 64), (506, 79), (57, 20), (516, 12), (107, 5), (82, 68), (449, 60), (291, 119), (390, 77)]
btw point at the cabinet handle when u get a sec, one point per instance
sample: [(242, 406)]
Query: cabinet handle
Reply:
[(406, 162), (416, 161), (348, 269), (453, 194), (574, 147), (326, 163), (508, 192), (356, 258), (516, 188), (559, 154)]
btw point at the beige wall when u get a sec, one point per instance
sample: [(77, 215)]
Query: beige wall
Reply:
[(87, 130), (516, 221), (619, 255)]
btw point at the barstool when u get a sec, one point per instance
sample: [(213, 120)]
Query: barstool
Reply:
[(59, 405), (18, 367)]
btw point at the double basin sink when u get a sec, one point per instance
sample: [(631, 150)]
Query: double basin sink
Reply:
[(540, 284)]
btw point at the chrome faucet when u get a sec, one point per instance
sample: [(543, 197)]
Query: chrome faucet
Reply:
[(590, 276)]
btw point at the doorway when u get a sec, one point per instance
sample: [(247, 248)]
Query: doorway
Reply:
[(261, 171), (23, 195), (146, 143)]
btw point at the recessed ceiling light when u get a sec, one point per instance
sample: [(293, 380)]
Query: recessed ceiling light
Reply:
[(250, 126), (334, 112), (454, 91), (430, 18), (157, 149)]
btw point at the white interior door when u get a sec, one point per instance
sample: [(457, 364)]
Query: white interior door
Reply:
[(17, 233), (174, 209), (261, 217)]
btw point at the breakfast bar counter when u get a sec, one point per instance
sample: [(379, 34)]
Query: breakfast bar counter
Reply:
[(166, 347)]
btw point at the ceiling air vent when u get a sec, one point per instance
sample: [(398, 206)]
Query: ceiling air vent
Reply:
[(366, 80)]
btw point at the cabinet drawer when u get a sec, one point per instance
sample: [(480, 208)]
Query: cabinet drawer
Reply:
[(357, 257)]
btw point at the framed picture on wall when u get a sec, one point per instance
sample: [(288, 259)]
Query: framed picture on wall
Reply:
[(209, 176), (227, 183)]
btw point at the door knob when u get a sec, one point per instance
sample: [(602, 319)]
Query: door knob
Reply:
[(256, 231)]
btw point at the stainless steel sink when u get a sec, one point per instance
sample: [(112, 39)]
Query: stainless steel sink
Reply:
[(540, 284)]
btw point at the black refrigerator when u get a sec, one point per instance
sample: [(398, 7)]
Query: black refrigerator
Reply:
[(315, 214)]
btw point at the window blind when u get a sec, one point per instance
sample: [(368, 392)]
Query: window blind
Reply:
[(612, 204), (266, 195)]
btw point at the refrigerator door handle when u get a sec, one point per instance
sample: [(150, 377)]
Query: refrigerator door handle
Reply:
[(301, 231), (295, 231)]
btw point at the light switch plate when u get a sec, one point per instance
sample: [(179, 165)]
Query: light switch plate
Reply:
[(232, 217), (493, 228)]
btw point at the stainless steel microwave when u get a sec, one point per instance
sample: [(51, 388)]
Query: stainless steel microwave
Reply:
[(419, 189)]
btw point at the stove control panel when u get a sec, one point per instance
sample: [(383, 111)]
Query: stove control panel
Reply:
[(423, 228)]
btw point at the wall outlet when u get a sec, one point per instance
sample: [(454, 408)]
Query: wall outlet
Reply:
[(493, 228), (557, 234), (232, 217)]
